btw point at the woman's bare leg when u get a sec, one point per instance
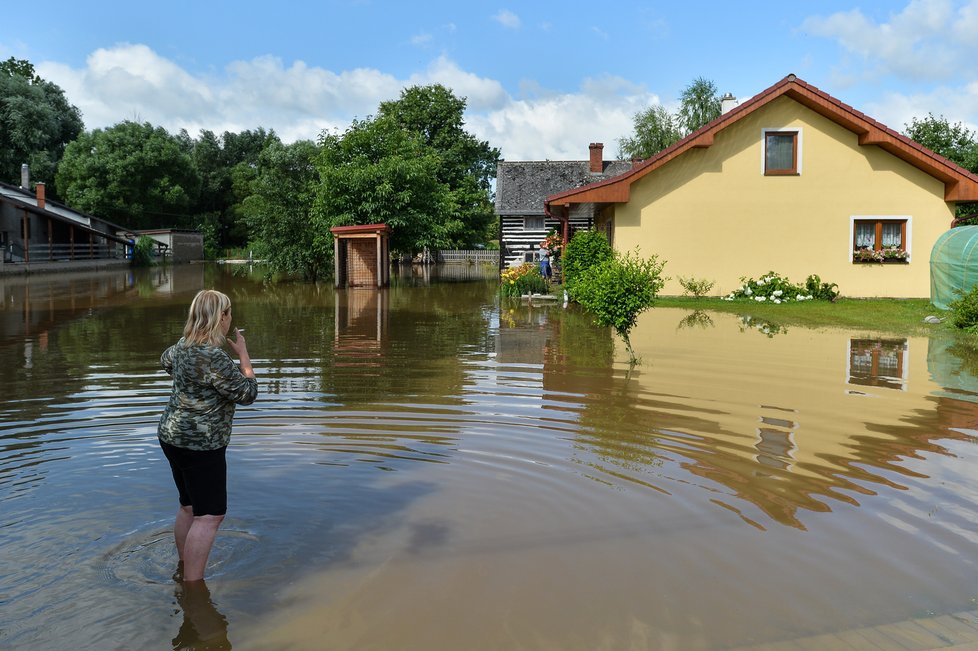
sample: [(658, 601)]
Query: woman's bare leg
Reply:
[(197, 545), (185, 518)]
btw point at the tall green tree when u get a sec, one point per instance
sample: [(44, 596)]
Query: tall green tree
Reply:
[(467, 165), (654, 130), (219, 159), (952, 141), (379, 172), (279, 210), (135, 174), (699, 104), (36, 122)]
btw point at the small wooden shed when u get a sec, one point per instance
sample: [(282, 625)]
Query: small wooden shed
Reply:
[(361, 255)]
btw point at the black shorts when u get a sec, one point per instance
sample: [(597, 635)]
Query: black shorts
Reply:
[(201, 478)]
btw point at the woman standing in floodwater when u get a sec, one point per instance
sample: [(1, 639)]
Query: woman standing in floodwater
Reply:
[(196, 425)]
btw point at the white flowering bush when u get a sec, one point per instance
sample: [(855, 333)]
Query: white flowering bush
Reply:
[(775, 288)]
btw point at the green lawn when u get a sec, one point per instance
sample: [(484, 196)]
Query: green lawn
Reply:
[(898, 316)]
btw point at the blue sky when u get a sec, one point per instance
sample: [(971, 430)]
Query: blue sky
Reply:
[(542, 79)]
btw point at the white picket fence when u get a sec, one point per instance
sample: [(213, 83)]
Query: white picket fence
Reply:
[(474, 256)]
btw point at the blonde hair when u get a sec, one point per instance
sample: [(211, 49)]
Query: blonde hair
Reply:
[(204, 321)]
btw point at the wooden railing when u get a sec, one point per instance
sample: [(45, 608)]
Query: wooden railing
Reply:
[(42, 252)]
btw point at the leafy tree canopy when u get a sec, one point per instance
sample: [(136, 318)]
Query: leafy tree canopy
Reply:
[(699, 104), (413, 167), (220, 159), (656, 128), (36, 122), (278, 209), (132, 173), (952, 141), (378, 172), (467, 166)]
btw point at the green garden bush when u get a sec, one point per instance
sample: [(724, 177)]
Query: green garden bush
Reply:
[(584, 251), (142, 252), (964, 310), (698, 287), (618, 289)]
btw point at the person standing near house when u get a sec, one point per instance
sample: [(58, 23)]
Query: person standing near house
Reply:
[(545, 269), (195, 427)]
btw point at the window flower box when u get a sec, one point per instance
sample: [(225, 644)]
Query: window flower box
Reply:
[(867, 256), (887, 256)]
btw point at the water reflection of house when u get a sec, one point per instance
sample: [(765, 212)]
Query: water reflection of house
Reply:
[(524, 334), (773, 426), (30, 305)]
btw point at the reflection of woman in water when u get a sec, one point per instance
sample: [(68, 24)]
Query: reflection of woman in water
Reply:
[(196, 425), (204, 627)]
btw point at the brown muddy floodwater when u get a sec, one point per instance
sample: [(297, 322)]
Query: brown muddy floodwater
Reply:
[(427, 468)]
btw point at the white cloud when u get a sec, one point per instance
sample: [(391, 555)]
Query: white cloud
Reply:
[(896, 110), (421, 40), (560, 126), (480, 93), (299, 101), (930, 43), (927, 40), (508, 19)]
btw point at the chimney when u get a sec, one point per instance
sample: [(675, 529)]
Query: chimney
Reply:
[(597, 156), (727, 103), (39, 193), (25, 176)]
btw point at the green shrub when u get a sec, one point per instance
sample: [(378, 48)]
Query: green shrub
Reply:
[(821, 291), (142, 252), (964, 310), (585, 250), (698, 287), (524, 279), (618, 289)]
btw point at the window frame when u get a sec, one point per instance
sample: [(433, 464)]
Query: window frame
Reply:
[(542, 221), (795, 170), (906, 231)]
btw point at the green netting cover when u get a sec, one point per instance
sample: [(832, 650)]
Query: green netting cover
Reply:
[(953, 265)]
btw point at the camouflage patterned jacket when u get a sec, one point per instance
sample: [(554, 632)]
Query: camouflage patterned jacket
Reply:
[(206, 386)]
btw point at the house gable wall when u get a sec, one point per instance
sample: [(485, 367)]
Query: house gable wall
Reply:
[(712, 213)]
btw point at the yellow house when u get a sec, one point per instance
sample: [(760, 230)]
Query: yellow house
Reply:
[(793, 181)]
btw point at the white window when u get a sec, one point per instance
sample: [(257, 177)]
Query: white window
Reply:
[(781, 152), (534, 223)]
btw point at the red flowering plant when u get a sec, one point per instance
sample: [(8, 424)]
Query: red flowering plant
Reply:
[(553, 243)]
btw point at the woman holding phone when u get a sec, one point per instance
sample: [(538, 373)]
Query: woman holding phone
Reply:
[(195, 427)]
